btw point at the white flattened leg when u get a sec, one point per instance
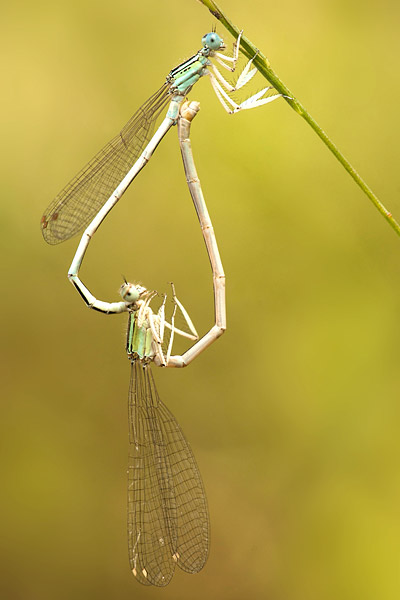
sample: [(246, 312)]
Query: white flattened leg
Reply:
[(158, 323), (161, 316), (185, 314), (235, 55), (155, 327), (252, 102), (221, 85), (222, 95), (183, 334), (171, 337), (144, 308), (257, 100), (244, 77), (236, 47)]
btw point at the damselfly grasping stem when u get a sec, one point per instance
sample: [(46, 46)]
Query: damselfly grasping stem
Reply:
[(101, 183)]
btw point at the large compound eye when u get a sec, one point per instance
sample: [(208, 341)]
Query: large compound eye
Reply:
[(129, 293), (212, 41)]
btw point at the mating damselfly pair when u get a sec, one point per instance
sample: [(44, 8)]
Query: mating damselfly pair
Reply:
[(168, 522)]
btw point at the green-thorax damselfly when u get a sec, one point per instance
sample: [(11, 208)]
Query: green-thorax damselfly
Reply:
[(105, 178)]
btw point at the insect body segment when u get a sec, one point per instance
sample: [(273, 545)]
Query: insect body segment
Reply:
[(140, 339)]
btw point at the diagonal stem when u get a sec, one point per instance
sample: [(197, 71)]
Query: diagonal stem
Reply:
[(263, 65)]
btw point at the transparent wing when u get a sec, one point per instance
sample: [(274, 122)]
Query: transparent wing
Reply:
[(168, 520), (78, 203)]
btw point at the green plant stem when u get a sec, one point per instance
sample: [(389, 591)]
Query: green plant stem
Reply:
[(263, 65)]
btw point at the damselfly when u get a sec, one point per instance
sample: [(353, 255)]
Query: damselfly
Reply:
[(105, 178), (168, 520)]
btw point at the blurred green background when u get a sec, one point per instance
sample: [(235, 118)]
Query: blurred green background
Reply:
[(294, 414)]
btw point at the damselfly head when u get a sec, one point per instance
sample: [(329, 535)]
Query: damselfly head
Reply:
[(213, 41), (131, 293)]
